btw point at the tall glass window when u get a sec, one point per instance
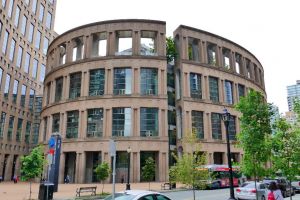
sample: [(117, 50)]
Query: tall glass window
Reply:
[(12, 50), (232, 128), (193, 49), (10, 8), (211, 54), (19, 58), (19, 130), (72, 124), (122, 81), (124, 42), (213, 89), (7, 85), (15, 91), (2, 124), (23, 95), (3, 3), (228, 92), (34, 68), (95, 122), (97, 82), (41, 14), (216, 126), (241, 89), (49, 20), (149, 81), (10, 127), (55, 122), (58, 89), (5, 40), (99, 46), (197, 123), (195, 86), (24, 23), (42, 72), (27, 62), (30, 32), (17, 16), (27, 132), (31, 98), (45, 45), (75, 85), (121, 123), (1, 74), (148, 43), (34, 5), (37, 40), (149, 122)]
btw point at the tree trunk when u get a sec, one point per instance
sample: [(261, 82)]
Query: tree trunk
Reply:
[(102, 187), (255, 174), (30, 190), (291, 197), (149, 185)]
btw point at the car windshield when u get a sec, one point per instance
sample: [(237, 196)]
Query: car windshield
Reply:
[(250, 185), (121, 196)]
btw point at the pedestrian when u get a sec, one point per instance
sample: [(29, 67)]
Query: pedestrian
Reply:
[(122, 179), (67, 179), (274, 193), (15, 178), (1, 178)]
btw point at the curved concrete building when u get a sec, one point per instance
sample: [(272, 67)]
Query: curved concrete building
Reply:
[(110, 80)]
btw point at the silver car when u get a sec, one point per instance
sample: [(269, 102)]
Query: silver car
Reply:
[(138, 195), (296, 184), (249, 191)]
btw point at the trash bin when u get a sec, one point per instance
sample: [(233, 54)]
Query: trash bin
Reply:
[(46, 191)]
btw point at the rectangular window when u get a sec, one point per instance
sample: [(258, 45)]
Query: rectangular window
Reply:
[(122, 81), (19, 58), (48, 86), (228, 92), (241, 89), (216, 126), (49, 20), (193, 49), (15, 91), (226, 58), (58, 89), (232, 128), (99, 44), (12, 50), (10, 127), (42, 72), (148, 43), (124, 42), (7, 85), (10, 8), (27, 62), (34, 4), (34, 68), (195, 86), (72, 124), (45, 128), (41, 14), (30, 32), (19, 130), (45, 45), (55, 122), (1, 74), (211, 54), (62, 54), (31, 98), (149, 122), (27, 132), (121, 122), (95, 122), (197, 124), (149, 79), (248, 68), (97, 82), (238, 63), (37, 40), (213, 89), (5, 40), (75, 85), (3, 3), (78, 49), (17, 16), (23, 95), (2, 124), (24, 23)]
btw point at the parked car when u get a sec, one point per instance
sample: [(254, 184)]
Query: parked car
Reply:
[(249, 192), (283, 185), (138, 195), (296, 184)]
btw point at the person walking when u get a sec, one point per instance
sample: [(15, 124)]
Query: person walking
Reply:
[(274, 193)]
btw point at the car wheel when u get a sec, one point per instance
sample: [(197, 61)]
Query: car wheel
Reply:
[(263, 197)]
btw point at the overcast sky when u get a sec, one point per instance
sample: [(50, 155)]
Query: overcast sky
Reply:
[(267, 28)]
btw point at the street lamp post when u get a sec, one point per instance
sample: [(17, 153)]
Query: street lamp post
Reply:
[(226, 118), (128, 168)]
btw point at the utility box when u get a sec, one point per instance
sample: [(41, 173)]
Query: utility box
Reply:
[(46, 191)]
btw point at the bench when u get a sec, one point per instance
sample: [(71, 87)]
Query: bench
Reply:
[(86, 189), (166, 186)]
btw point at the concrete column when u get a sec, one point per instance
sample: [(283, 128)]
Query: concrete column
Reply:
[(61, 123), (64, 124), (136, 81), (243, 67), (62, 167), (207, 130), (234, 92), (138, 166), (210, 158), (224, 158), (18, 165), (162, 167), (8, 169), (203, 52), (1, 164), (69, 51), (160, 127), (136, 45), (77, 169), (52, 93), (219, 56), (87, 42), (66, 87), (82, 84), (82, 123), (161, 44), (108, 122), (49, 128), (135, 129), (205, 87), (232, 60), (82, 168), (223, 129), (85, 83), (185, 48), (221, 90), (111, 45), (252, 71), (109, 81)]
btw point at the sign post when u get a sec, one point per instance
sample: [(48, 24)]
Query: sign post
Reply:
[(112, 150)]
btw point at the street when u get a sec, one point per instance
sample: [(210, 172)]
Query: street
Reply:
[(221, 194)]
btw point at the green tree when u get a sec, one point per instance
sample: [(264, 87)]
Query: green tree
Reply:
[(171, 49), (187, 169), (32, 165), (148, 170), (102, 171), (255, 134)]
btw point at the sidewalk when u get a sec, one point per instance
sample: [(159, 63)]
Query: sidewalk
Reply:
[(20, 191)]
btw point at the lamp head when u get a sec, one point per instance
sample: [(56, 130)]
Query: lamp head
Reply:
[(128, 150), (225, 115)]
